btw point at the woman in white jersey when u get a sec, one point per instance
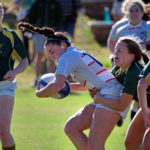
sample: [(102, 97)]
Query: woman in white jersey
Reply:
[(92, 75), (135, 25)]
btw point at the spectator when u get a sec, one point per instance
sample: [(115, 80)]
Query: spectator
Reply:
[(116, 10), (43, 13), (136, 26), (23, 6), (11, 49), (70, 9)]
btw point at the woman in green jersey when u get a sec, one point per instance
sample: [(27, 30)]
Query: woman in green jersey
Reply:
[(140, 126), (126, 57), (11, 48)]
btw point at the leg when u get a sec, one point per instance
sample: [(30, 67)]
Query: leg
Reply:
[(135, 132), (77, 124), (38, 67), (51, 66), (102, 125), (6, 108), (146, 140)]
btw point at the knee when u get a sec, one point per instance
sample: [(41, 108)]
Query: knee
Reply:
[(70, 129)]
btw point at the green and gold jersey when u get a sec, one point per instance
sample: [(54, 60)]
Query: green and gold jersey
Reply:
[(11, 48), (129, 78), (146, 75)]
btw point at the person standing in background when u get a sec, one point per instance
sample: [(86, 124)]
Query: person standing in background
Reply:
[(43, 13), (23, 6), (70, 11), (116, 10), (11, 48)]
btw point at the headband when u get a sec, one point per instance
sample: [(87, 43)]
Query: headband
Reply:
[(53, 39), (138, 5)]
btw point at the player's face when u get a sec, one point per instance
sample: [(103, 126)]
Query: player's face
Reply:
[(122, 57), (135, 14), (53, 51)]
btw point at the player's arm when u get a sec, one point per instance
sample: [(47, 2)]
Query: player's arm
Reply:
[(111, 44), (116, 104), (52, 87), (142, 86), (10, 75)]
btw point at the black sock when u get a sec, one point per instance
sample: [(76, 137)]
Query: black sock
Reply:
[(9, 148), (132, 114)]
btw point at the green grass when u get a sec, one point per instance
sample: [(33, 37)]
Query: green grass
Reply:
[(38, 123)]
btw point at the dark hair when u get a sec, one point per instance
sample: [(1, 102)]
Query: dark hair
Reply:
[(147, 12), (134, 48), (143, 7), (49, 33)]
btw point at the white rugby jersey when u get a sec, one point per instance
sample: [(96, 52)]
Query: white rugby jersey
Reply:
[(115, 27), (86, 69), (140, 32)]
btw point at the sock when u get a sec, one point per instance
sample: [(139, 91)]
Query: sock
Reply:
[(9, 148), (132, 114)]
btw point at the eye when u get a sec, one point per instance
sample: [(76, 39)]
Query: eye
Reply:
[(51, 52)]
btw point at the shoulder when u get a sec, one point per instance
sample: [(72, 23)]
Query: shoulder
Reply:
[(134, 70), (120, 23)]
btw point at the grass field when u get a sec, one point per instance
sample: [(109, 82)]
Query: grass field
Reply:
[(38, 123)]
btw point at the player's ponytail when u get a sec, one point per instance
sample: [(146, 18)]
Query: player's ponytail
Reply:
[(24, 26), (145, 58), (49, 33)]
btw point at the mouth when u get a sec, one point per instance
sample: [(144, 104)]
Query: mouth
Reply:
[(116, 58)]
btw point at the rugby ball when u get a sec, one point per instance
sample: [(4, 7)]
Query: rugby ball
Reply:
[(48, 77)]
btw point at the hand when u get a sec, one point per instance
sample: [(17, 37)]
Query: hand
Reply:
[(97, 98), (10, 75), (93, 92), (146, 117)]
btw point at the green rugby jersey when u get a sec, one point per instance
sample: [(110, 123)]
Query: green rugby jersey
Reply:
[(11, 48), (129, 79), (146, 75)]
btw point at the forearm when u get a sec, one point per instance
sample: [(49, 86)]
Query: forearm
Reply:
[(111, 44), (119, 104), (111, 103), (52, 87), (142, 96), (21, 67), (48, 90)]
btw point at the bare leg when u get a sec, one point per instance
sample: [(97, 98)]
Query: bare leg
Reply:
[(146, 140), (6, 108), (77, 124), (102, 125), (135, 132)]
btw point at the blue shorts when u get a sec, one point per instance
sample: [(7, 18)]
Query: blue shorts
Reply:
[(8, 88)]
